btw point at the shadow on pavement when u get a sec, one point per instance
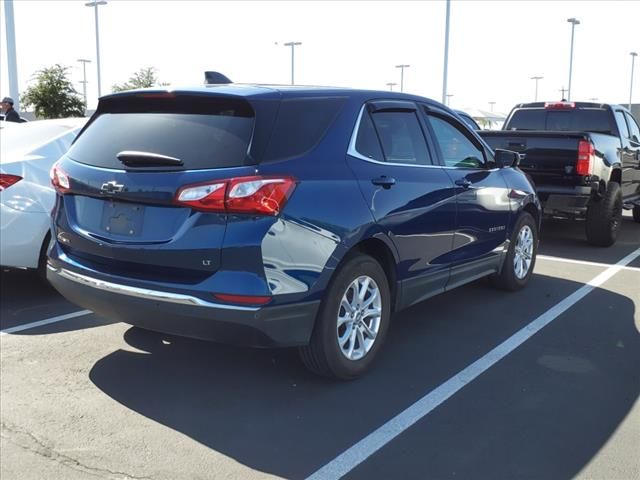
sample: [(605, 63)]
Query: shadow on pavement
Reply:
[(564, 238), (26, 298), (263, 409)]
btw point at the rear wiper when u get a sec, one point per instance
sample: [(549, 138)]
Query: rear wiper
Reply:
[(144, 159)]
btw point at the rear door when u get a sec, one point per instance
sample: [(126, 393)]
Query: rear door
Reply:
[(120, 215), (409, 195), (483, 207)]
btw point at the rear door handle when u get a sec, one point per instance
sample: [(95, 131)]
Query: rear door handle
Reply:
[(384, 182), (463, 182)]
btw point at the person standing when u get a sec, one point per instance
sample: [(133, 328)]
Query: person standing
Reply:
[(10, 114)]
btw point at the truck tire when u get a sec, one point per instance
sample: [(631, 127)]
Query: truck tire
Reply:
[(636, 213), (604, 217)]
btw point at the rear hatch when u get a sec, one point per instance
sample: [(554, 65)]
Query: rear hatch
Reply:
[(132, 181)]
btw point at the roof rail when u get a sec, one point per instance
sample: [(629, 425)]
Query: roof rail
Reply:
[(215, 78)]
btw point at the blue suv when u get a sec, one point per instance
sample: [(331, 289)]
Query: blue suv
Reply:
[(283, 216)]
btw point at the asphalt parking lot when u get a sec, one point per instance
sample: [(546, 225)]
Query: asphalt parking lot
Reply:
[(85, 398)]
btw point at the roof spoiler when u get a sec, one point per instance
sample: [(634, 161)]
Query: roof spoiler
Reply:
[(215, 78)]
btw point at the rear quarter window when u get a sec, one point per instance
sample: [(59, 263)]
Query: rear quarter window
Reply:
[(300, 125)]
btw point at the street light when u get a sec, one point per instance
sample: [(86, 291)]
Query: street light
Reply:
[(492, 104), (573, 22), (536, 79), (391, 85), (449, 95), (446, 53), (563, 90), (633, 58), (95, 4), (293, 45), (402, 67), (84, 62)]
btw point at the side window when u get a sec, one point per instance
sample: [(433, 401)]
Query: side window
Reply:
[(633, 126), (622, 125), (367, 142), (457, 150), (401, 137)]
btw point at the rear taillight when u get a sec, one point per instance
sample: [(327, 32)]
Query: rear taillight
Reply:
[(6, 180), (559, 105), (252, 195), (59, 179), (585, 162)]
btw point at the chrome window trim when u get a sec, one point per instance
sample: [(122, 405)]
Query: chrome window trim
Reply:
[(145, 293), (351, 151)]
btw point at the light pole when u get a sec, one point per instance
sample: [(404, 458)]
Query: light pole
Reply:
[(633, 58), (449, 95), (293, 45), (95, 4), (391, 85), (536, 79), (563, 90), (492, 104), (573, 22), (84, 62), (12, 64), (446, 53), (402, 67)]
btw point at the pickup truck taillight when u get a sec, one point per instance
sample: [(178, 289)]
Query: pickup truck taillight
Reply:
[(253, 195), (586, 152)]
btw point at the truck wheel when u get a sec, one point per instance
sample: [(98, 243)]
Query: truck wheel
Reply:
[(604, 217), (521, 257), (636, 213), (352, 322)]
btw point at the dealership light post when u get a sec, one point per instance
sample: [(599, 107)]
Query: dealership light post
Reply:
[(633, 58), (446, 53), (492, 104), (573, 22), (95, 4), (391, 85), (293, 45), (536, 79), (84, 62), (12, 63), (448, 102), (402, 67)]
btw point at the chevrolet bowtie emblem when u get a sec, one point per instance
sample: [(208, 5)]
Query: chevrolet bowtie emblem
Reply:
[(111, 187)]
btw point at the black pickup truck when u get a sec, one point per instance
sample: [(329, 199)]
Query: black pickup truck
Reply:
[(584, 159)]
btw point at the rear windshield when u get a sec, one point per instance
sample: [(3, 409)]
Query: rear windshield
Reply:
[(216, 139), (581, 120)]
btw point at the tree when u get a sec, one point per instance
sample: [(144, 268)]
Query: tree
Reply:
[(143, 78), (53, 95)]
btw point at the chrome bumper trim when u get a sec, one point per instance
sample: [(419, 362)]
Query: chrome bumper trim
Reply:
[(143, 292)]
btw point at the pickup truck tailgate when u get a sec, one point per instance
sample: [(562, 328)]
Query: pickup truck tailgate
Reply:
[(550, 157)]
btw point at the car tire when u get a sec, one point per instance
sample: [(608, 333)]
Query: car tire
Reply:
[(42, 258), (604, 217), (341, 347), (521, 256), (636, 213)]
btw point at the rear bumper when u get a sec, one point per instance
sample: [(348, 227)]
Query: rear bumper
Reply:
[(561, 200), (188, 316)]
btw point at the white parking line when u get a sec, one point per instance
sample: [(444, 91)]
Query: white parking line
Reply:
[(582, 262), (46, 321), (358, 453)]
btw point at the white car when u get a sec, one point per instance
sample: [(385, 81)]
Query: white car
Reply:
[(27, 152)]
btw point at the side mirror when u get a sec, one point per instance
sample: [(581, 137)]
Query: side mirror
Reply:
[(507, 158)]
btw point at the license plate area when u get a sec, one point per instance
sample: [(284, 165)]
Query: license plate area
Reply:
[(124, 219)]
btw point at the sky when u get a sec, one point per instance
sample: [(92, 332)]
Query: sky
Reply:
[(495, 47)]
